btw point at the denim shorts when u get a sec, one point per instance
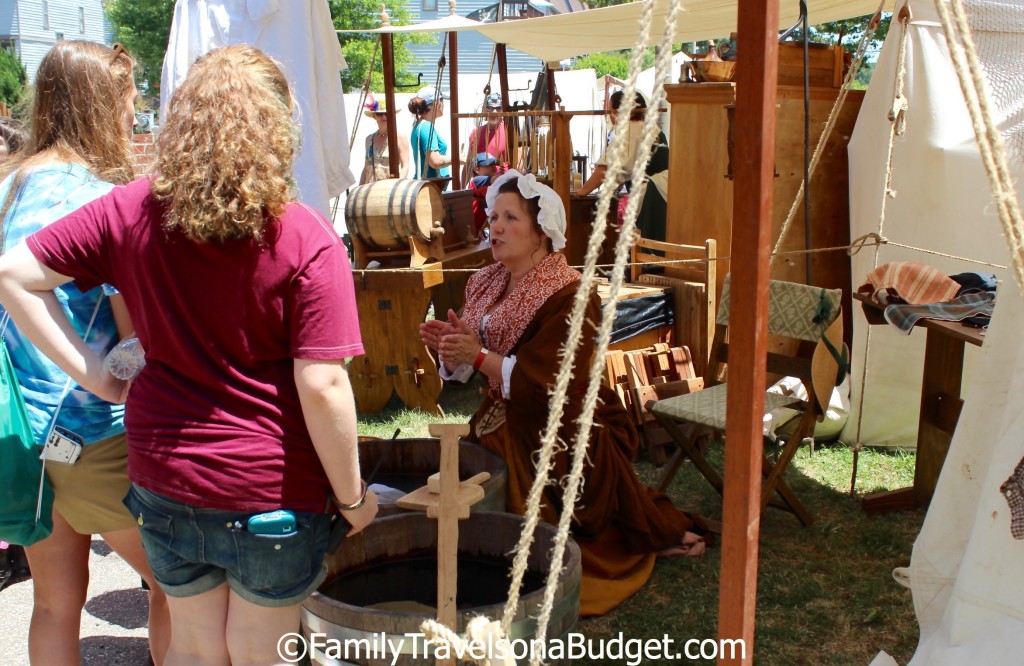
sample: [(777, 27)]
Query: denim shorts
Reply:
[(193, 550)]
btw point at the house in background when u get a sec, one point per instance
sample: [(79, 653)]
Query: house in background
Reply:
[(31, 27), (475, 50)]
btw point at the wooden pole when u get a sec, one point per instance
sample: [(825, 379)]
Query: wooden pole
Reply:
[(502, 57), (758, 22), (388, 60), (511, 124), (453, 83), (448, 513)]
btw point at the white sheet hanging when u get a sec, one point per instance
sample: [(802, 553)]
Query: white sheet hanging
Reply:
[(300, 36)]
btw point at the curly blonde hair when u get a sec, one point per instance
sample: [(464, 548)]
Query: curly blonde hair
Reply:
[(224, 156), (77, 107)]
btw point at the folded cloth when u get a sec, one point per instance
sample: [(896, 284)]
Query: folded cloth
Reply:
[(913, 281), (903, 317)]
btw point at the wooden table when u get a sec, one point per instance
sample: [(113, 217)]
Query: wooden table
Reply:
[(392, 305), (940, 406)]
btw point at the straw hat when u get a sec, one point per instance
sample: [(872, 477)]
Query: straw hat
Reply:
[(374, 106)]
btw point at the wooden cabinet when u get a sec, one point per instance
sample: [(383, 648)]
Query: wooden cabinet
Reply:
[(700, 201)]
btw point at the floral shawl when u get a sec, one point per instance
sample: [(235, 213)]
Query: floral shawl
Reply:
[(508, 321)]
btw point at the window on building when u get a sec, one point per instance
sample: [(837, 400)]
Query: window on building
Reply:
[(46, 15), (81, 20), (430, 5)]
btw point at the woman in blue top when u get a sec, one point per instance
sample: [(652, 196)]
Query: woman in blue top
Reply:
[(429, 149), (79, 146)]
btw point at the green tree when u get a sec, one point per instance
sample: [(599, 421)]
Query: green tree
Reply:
[(359, 48), (615, 63), (143, 27), (12, 78)]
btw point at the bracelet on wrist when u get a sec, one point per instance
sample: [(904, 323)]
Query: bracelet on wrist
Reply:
[(357, 504), (480, 358)]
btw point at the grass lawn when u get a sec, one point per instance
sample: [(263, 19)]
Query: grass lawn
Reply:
[(825, 596)]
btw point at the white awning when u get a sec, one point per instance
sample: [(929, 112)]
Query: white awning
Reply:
[(554, 38)]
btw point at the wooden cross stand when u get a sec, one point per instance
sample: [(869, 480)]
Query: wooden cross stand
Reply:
[(448, 503)]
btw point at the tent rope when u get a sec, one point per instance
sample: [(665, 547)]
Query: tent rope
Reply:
[(623, 248), (990, 143), (897, 118), (867, 240), (833, 118), (363, 93)]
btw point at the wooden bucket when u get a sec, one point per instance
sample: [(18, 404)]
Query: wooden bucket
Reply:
[(385, 213), (394, 561), (405, 464)]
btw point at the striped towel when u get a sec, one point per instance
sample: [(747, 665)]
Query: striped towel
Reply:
[(904, 317), (914, 282)]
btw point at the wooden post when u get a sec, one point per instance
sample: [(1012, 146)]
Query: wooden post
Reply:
[(758, 22), (501, 56), (448, 512), (561, 163), (388, 60), (453, 83)]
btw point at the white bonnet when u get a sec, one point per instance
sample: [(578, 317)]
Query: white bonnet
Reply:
[(551, 217)]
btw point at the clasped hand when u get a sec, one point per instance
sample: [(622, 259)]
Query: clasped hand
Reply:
[(454, 340)]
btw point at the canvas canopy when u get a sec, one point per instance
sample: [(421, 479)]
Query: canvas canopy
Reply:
[(563, 36)]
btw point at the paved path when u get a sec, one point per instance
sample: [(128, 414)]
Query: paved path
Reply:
[(113, 624)]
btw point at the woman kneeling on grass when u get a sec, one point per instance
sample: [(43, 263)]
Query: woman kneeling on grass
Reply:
[(242, 419), (512, 330)]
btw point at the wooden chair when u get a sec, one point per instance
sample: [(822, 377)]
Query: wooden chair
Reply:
[(642, 375), (694, 285), (805, 315)]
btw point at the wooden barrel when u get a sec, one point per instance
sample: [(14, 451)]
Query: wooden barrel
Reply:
[(385, 213), (405, 464), (377, 578)]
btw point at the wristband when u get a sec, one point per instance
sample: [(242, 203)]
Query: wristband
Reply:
[(352, 507), (480, 358)]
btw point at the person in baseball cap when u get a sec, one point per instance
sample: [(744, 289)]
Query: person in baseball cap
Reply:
[(429, 149), (430, 94), (485, 170), (489, 137), (493, 102)]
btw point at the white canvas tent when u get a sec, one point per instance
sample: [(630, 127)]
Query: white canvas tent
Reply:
[(965, 573), (942, 203)]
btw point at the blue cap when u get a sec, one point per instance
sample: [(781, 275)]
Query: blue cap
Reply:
[(485, 159), (493, 101)]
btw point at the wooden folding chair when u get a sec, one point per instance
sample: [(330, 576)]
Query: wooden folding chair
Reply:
[(810, 318)]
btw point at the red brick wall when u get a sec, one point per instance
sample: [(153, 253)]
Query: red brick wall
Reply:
[(145, 153)]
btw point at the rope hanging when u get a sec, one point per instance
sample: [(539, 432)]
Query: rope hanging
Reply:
[(897, 116), (549, 440), (993, 153), (363, 92), (617, 152)]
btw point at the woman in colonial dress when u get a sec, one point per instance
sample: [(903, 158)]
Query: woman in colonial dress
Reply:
[(512, 329)]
